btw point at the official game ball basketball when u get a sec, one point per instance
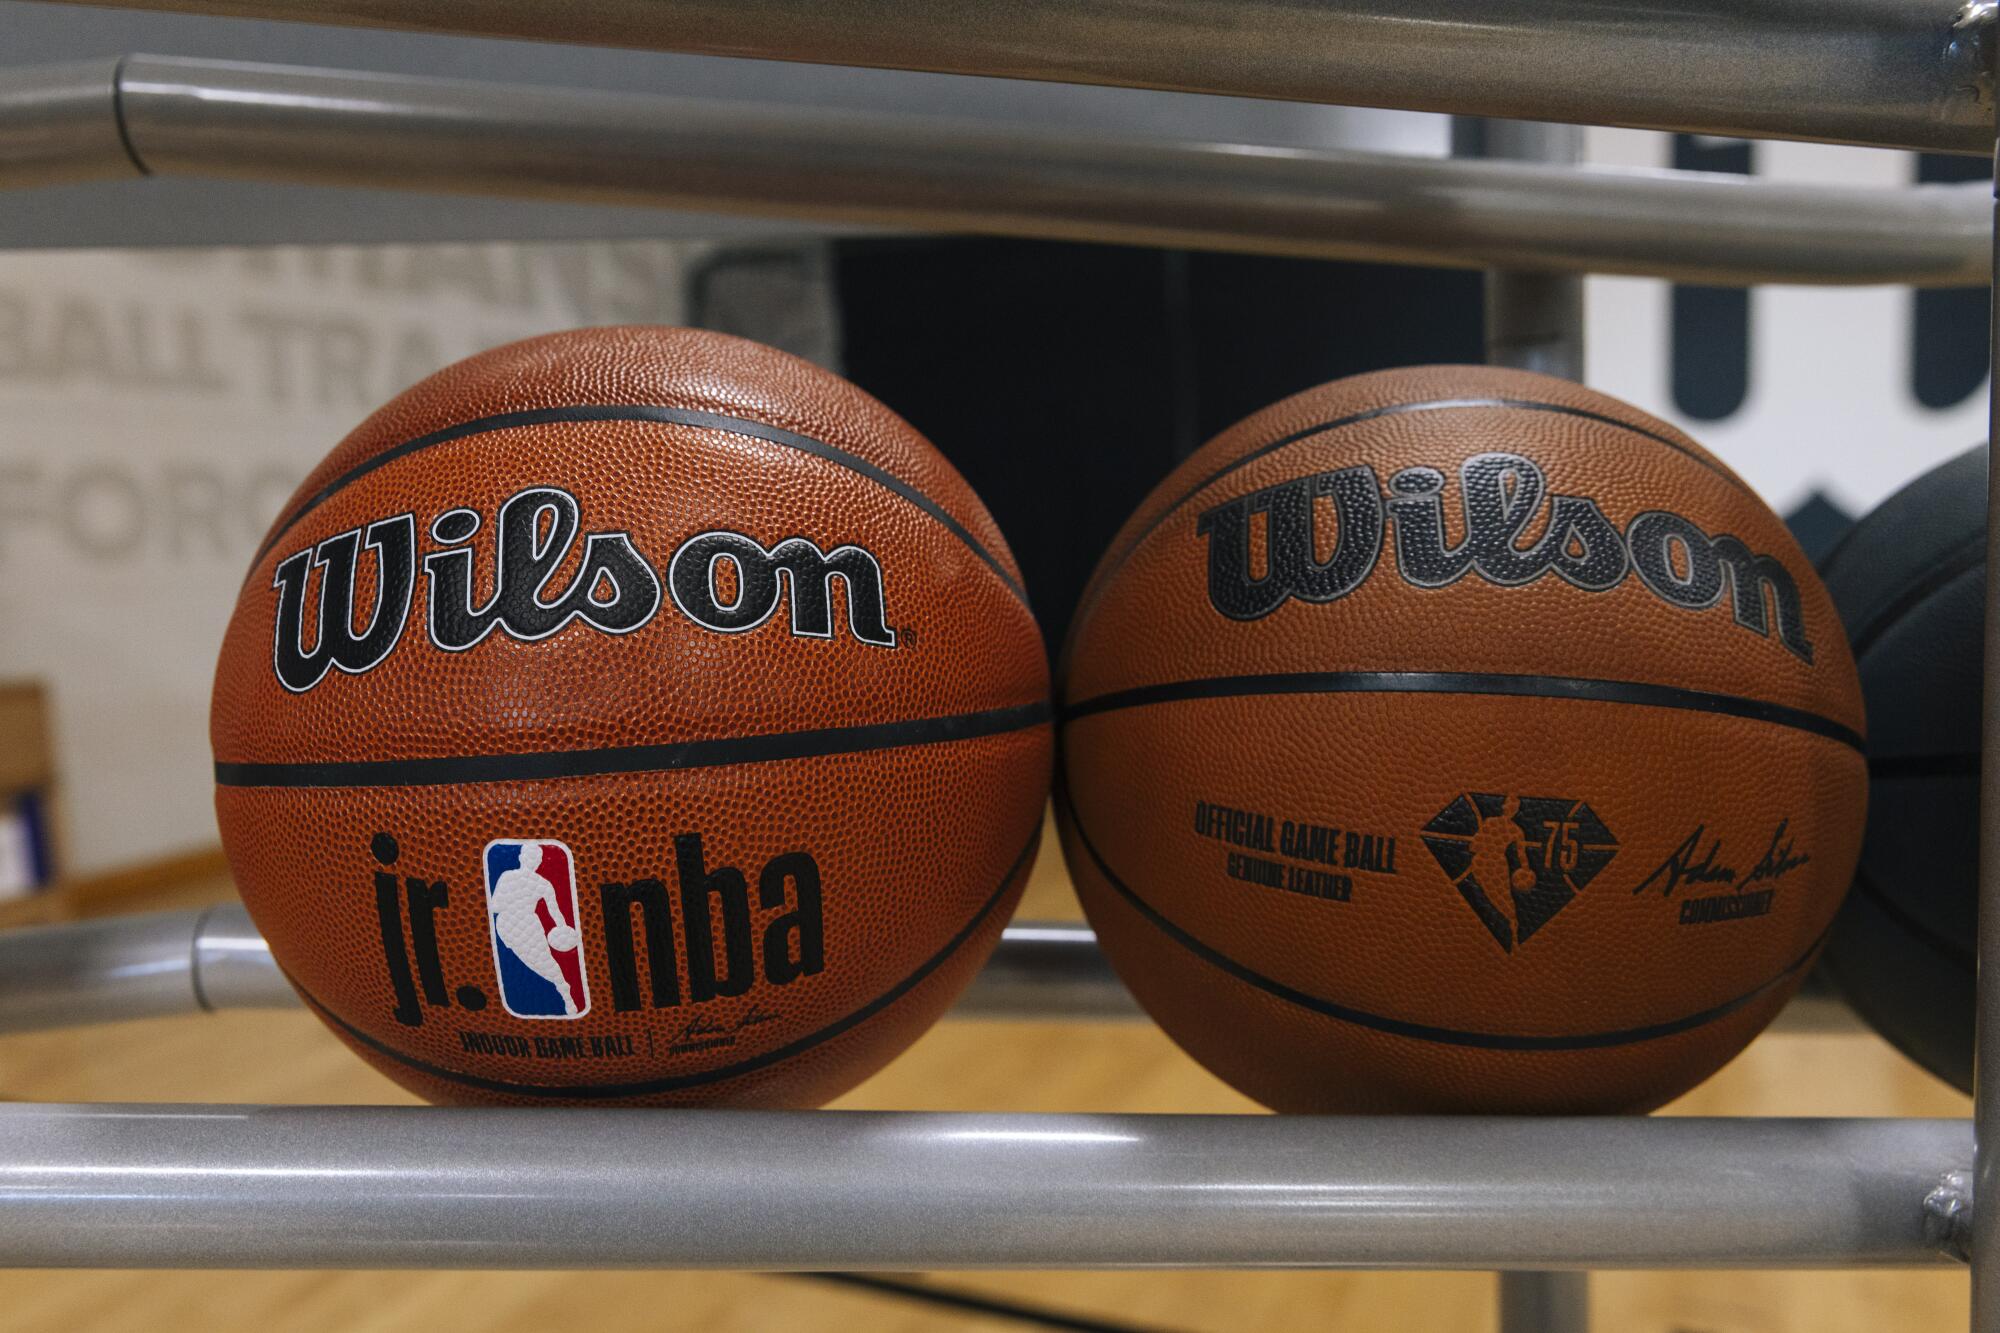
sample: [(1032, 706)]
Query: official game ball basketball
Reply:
[(1459, 739), (631, 715), (1910, 583)]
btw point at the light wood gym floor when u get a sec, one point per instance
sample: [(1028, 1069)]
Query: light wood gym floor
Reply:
[(287, 1057)]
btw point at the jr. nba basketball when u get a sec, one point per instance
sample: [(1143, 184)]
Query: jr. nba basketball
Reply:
[(631, 715), (1459, 739)]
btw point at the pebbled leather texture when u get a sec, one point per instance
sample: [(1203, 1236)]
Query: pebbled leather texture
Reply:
[(1457, 836), (911, 775), (1910, 582)]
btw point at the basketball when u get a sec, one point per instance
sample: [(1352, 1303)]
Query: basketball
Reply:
[(1459, 739), (631, 715), (1910, 583)]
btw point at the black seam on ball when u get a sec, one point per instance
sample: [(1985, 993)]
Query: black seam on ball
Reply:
[(1949, 950), (1491, 1041), (1629, 692), (1970, 555), (541, 766), (674, 416), (1097, 584)]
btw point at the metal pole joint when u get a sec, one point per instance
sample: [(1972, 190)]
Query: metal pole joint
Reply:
[(1969, 55), (1948, 1216)]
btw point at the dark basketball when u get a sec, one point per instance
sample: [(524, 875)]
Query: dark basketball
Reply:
[(1459, 739), (1910, 582), (631, 715)]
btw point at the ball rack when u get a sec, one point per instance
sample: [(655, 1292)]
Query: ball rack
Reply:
[(217, 1186), (148, 115)]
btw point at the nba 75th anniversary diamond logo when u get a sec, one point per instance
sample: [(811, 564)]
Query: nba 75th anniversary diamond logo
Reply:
[(1518, 860)]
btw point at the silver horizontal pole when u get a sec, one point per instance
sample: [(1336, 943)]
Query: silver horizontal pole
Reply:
[(160, 964), (155, 965), (404, 1187), (59, 123), (176, 117), (1897, 73), (1047, 970)]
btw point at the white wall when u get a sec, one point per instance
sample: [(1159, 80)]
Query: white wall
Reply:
[(1829, 407), (156, 408)]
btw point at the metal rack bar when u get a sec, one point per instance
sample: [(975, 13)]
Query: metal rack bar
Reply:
[(1986, 1096), (154, 115), (395, 1187), (366, 1187), (1549, 1301), (1534, 321), (1898, 73), (159, 964), (59, 123)]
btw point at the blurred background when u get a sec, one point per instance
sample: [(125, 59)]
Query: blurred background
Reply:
[(175, 355)]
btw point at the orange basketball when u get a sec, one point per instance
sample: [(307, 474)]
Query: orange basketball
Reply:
[(1459, 739), (631, 715)]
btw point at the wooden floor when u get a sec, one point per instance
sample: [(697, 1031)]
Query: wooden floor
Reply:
[(287, 1057)]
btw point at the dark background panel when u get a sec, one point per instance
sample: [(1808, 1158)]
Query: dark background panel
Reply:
[(1711, 325), (1949, 349), (1066, 380)]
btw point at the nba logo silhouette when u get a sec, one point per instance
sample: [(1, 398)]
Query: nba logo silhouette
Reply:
[(531, 913)]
